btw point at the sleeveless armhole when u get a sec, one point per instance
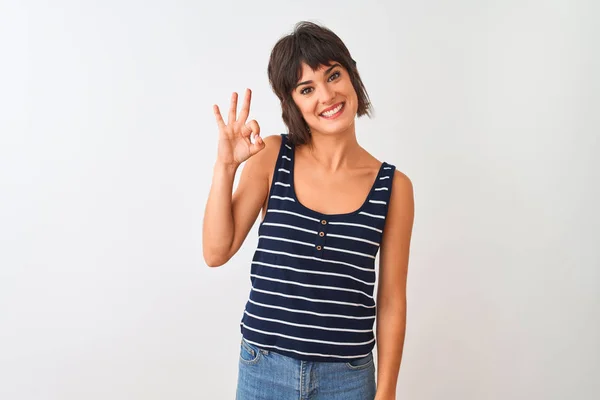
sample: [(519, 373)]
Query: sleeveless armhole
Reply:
[(274, 175)]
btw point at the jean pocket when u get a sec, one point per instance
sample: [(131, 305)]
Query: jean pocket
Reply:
[(361, 363), (249, 354)]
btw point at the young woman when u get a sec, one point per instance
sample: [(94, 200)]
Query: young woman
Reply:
[(328, 207)]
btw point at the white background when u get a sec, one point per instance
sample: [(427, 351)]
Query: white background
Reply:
[(107, 144)]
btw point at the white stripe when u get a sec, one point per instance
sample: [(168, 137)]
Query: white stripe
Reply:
[(283, 198), (358, 225), (303, 352), (316, 259), (352, 238), (384, 177), (282, 184), (372, 215), (387, 167), (286, 240), (283, 170), (308, 326), (381, 188), (289, 296), (307, 271), (377, 202), (286, 157), (310, 286), (290, 227), (349, 252), (308, 312), (296, 214), (308, 340), (288, 147)]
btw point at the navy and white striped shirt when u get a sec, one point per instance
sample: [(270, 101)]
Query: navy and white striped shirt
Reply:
[(313, 274)]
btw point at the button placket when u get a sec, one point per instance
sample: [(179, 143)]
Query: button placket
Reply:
[(321, 235)]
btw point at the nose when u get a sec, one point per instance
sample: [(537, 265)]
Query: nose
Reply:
[(327, 95)]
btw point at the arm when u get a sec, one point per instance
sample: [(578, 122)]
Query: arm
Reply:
[(228, 218), (391, 289)]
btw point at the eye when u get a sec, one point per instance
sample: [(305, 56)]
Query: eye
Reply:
[(304, 91), (335, 75)]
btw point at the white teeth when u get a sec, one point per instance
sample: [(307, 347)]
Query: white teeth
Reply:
[(330, 113)]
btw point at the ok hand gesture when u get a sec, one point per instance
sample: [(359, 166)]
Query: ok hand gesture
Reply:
[(235, 144)]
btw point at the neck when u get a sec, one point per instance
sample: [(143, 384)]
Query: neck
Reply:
[(334, 151)]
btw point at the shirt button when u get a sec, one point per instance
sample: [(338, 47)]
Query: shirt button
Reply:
[(321, 234), (318, 247), (323, 222)]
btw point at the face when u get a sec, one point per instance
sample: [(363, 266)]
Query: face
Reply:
[(326, 98)]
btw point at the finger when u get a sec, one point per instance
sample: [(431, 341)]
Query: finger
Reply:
[(253, 127), (257, 143), (250, 130), (245, 111), (257, 146), (218, 116), (232, 109), (246, 132)]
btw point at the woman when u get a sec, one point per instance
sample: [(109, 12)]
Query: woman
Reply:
[(327, 207)]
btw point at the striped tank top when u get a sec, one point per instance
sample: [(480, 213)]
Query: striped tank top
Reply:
[(313, 274)]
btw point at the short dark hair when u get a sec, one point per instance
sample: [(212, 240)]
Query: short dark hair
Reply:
[(314, 45)]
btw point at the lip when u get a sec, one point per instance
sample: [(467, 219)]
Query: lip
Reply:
[(332, 108)]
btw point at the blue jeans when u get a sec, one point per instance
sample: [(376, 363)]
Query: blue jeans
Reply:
[(267, 375)]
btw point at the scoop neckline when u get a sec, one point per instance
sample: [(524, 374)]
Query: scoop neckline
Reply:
[(299, 203)]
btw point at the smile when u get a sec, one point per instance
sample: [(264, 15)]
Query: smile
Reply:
[(333, 113)]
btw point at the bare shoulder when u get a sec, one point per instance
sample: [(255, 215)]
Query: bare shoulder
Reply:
[(401, 182), (270, 153), (397, 232), (255, 180), (264, 161), (402, 198), (272, 144)]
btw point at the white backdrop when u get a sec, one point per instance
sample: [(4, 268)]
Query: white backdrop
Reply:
[(106, 152)]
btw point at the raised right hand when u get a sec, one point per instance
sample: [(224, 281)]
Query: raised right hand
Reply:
[(235, 145)]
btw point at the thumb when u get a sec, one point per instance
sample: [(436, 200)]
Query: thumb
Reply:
[(256, 144)]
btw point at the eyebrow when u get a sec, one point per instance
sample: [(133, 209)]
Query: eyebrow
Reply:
[(326, 72)]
